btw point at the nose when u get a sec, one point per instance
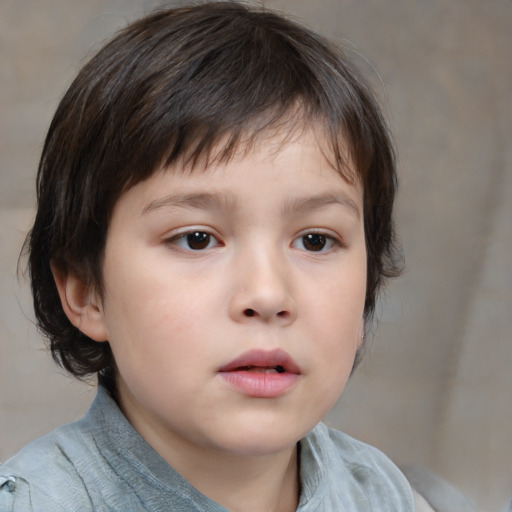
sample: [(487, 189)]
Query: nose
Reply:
[(262, 289)]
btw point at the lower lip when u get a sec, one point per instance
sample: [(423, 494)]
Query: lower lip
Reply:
[(261, 385)]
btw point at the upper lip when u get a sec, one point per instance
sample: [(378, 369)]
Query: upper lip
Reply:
[(263, 359)]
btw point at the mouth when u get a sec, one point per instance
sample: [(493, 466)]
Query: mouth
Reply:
[(262, 369), (261, 374), (261, 361)]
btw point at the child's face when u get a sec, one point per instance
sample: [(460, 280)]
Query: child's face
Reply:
[(234, 298)]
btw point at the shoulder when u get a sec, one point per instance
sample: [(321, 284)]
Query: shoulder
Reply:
[(356, 455), (43, 476), (420, 503), (361, 470)]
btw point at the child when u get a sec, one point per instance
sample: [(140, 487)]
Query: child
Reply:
[(213, 226)]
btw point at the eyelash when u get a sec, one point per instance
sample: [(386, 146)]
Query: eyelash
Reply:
[(182, 240), (328, 242)]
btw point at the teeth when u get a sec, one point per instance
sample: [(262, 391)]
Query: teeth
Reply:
[(260, 369)]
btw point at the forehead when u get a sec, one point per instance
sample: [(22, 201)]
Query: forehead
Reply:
[(261, 142), (293, 170)]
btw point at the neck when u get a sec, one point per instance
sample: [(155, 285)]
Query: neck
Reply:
[(249, 483), (238, 482)]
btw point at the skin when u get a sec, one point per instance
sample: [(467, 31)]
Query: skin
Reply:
[(174, 314)]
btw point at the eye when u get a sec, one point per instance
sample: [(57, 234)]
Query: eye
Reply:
[(194, 241), (315, 242)]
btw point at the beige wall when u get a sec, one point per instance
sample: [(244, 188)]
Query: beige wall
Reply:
[(436, 388)]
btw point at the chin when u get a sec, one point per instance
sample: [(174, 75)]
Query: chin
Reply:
[(261, 441)]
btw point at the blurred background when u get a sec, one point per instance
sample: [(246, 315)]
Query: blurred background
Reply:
[(435, 390)]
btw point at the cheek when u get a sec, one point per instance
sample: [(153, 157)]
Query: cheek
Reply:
[(154, 314), (153, 347), (338, 306), (336, 316)]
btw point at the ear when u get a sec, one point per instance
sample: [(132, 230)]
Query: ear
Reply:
[(81, 304), (361, 334)]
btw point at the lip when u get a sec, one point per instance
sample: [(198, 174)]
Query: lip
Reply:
[(262, 374)]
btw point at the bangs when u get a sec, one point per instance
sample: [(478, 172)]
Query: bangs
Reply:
[(195, 85), (189, 87)]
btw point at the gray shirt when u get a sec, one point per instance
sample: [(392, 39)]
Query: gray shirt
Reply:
[(100, 463)]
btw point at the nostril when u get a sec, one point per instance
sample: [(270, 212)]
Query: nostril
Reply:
[(249, 312)]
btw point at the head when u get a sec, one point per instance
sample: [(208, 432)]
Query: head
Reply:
[(195, 86)]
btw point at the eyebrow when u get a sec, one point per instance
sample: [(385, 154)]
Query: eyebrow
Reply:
[(225, 201), (321, 201), (202, 200)]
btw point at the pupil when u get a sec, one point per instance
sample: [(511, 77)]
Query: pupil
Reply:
[(198, 240), (314, 242)]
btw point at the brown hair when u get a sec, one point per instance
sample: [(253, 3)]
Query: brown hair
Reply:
[(174, 85)]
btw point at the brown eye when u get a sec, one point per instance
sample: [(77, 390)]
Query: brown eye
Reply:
[(194, 241), (314, 242), (198, 240)]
